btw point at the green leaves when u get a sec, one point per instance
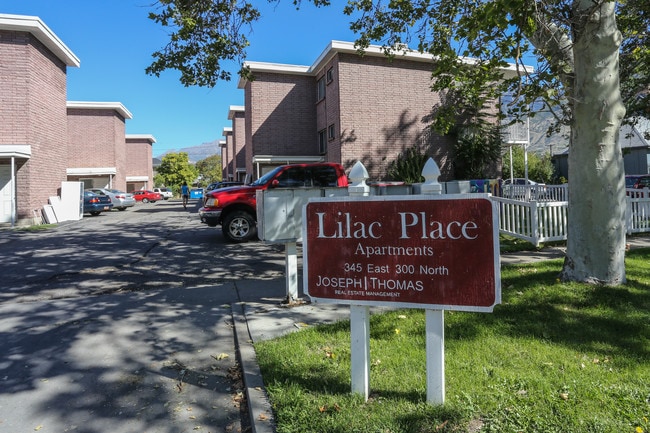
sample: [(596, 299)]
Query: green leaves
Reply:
[(205, 35), (175, 169)]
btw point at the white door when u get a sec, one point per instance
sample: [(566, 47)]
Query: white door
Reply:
[(6, 187)]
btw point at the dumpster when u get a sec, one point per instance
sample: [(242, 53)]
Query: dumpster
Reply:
[(196, 193)]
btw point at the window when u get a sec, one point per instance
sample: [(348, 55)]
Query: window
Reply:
[(323, 175), (293, 177), (322, 142), (331, 132), (320, 90), (330, 75)]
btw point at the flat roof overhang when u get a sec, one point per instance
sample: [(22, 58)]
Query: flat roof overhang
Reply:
[(285, 159), (91, 171), (23, 151)]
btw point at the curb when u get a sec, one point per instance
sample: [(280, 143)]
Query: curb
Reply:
[(259, 407)]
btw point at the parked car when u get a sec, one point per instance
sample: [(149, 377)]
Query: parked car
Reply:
[(637, 181), (166, 193), (120, 199), (146, 196), (95, 204), (235, 207), (221, 184)]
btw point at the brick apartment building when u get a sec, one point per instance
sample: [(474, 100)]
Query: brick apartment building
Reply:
[(139, 156), (45, 140), (343, 108), (236, 115), (33, 125), (96, 144)]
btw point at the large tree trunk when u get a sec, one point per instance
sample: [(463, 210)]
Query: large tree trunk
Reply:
[(596, 236)]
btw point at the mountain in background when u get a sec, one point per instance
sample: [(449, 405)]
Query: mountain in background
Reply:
[(197, 153)]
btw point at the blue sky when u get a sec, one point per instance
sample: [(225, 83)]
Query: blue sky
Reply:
[(114, 41)]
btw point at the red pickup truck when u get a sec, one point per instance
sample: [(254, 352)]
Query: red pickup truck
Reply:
[(235, 207)]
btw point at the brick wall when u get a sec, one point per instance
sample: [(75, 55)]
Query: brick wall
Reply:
[(248, 127), (225, 157), (375, 108), (230, 146), (328, 111), (33, 112), (96, 138), (383, 110), (139, 160), (239, 140), (282, 116)]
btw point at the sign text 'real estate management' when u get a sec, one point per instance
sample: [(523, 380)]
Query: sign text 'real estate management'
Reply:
[(441, 252)]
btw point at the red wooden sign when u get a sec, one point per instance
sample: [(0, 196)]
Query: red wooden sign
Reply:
[(440, 252)]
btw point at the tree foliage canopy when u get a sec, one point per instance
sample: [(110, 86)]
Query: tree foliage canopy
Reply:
[(210, 169), (175, 168), (209, 39), (573, 45)]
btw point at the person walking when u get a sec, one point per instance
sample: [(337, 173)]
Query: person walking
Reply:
[(185, 194)]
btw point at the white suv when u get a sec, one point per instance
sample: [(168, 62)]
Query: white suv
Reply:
[(166, 193)]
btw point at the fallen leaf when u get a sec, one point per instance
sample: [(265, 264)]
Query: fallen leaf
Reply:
[(38, 427), (262, 417), (322, 409), (221, 356), (564, 395)]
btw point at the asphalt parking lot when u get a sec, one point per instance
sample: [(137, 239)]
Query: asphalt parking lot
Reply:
[(149, 246), (123, 322)]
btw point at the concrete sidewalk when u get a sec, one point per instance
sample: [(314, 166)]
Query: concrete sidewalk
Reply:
[(260, 315)]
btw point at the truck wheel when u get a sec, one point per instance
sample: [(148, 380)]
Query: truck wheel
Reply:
[(239, 226)]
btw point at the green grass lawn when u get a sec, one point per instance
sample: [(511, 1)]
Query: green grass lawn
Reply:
[(552, 357)]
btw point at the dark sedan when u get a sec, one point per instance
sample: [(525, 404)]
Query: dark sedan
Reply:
[(95, 204)]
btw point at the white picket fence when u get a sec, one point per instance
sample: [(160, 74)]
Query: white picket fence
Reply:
[(543, 219), (536, 192), (533, 221)]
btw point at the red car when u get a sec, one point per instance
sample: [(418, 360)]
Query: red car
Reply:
[(146, 196), (235, 207)]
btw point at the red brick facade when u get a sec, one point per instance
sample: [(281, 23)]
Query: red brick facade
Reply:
[(228, 149), (33, 111), (139, 161), (96, 143), (237, 149), (372, 110)]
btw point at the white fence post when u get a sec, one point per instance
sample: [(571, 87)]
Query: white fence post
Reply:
[(359, 314), (435, 319)]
